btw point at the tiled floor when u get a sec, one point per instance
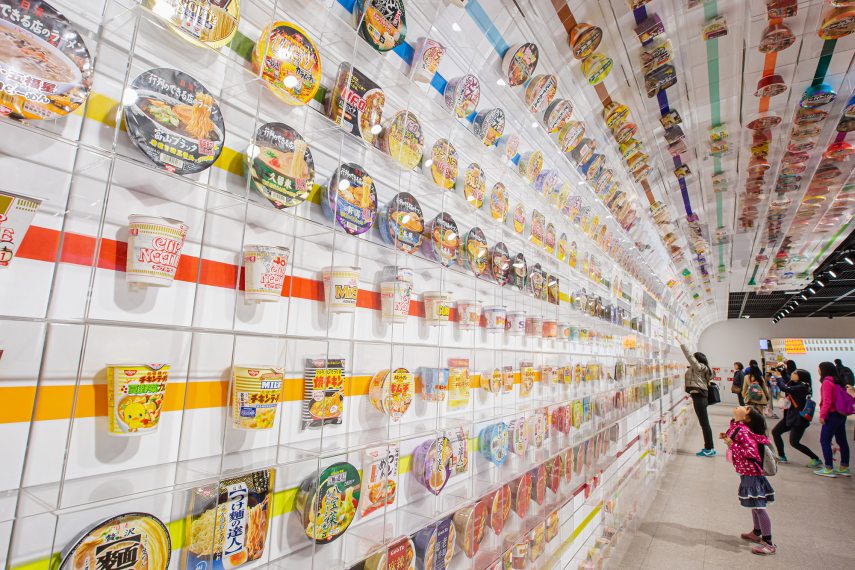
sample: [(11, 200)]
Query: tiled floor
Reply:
[(695, 519)]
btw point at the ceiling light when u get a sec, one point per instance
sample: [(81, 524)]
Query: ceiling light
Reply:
[(812, 290), (848, 260), (832, 273), (803, 297), (820, 283)]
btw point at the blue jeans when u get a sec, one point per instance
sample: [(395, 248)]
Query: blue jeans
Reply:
[(834, 427)]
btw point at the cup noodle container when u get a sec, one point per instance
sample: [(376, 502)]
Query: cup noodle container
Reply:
[(264, 268), (516, 323), (437, 308), (496, 317), (395, 301), (256, 392), (16, 214), (135, 394), (341, 288), (154, 249), (468, 314)]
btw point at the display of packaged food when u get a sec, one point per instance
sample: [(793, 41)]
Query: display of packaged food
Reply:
[(228, 525), (540, 92), (434, 383), (350, 199), (356, 103), (140, 539), (391, 392), (281, 167), (458, 440), (495, 317), (474, 254), (499, 203), (432, 463), (426, 61), (509, 145), (403, 139), (519, 63), (596, 67), (323, 392), (442, 243), (401, 223), (518, 435), (584, 40), (381, 23), (341, 288), (462, 94), (399, 555), (837, 23), (557, 115), (770, 85), (518, 272), (470, 522), (379, 478), (135, 394), (287, 59), (468, 314), (435, 546), (660, 79), (530, 165), (458, 383), (521, 494), (656, 56), (256, 392), (570, 136), (16, 214), (441, 164), (327, 501), (437, 307), (202, 22), (489, 125), (649, 29), (515, 323)]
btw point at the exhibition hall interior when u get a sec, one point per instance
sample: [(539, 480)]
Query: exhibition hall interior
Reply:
[(426, 284)]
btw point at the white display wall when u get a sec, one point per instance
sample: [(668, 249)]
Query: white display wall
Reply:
[(68, 311)]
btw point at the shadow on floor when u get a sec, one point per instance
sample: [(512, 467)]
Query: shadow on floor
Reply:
[(691, 536)]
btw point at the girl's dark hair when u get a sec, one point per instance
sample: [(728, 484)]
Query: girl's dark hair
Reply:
[(828, 369), (804, 377), (791, 366), (755, 422), (702, 358), (739, 365)]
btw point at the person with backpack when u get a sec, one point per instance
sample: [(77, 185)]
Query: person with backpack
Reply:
[(834, 406), (755, 391), (738, 381), (747, 450), (844, 372), (698, 377), (797, 417)]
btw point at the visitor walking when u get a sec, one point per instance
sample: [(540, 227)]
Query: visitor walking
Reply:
[(755, 391), (738, 379), (844, 372), (797, 417), (698, 377), (835, 404), (744, 439)]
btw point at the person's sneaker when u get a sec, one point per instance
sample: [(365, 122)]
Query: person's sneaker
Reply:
[(782, 459), (764, 549), (825, 472), (842, 472), (751, 537), (706, 453), (814, 463)]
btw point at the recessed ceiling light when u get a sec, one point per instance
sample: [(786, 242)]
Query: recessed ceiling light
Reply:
[(803, 297), (832, 273), (820, 283), (848, 260), (812, 290)]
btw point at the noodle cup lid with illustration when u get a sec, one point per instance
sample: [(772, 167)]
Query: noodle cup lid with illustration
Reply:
[(549, 238), (154, 249), (583, 151), (243, 503), (255, 396), (518, 218), (443, 240), (281, 167), (540, 92), (530, 165), (584, 40), (770, 85), (474, 185), (519, 63), (476, 251), (808, 131), (846, 125), (499, 203), (817, 96), (538, 223), (538, 487), (776, 37), (174, 120), (46, 68), (404, 140), (470, 523), (202, 22), (625, 132), (350, 198), (442, 164), (381, 23), (141, 537), (435, 545), (509, 145), (401, 553), (489, 125), (592, 169), (562, 249), (521, 494), (838, 23), (500, 263), (519, 272), (547, 183), (432, 463), (499, 508), (493, 439), (462, 94), (392, 392), (491, 380), (571, 135), (596, 67), (764, 121), (615, 114), (287, 59), (838, 150), (402, 223), (807, 116), (430, 52), (357, 103), (327, 501)]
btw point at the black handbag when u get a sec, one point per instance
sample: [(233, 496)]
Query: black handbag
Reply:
[(713, 395)]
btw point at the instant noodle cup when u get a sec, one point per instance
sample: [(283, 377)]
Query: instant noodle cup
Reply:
[(509, 146), (837, 23), (499, 203), (281, 167), (817, 96), (530, 165), (519, 272), (341, 288), (16, 214), (521, 494), (154, 249), (210, 23), (570, 135), (426, 61), (401, 553), (395, 299), (381, 23), (435, 546), (596, 67), (326, 501), (517, 218), (500, 263), (495, 317), (473, 184), (499, 508), (489, 125), (46, 68), (474, 252), (404, 140), (625, 132), (550, 328), (392, 392), (264, 269), (350, 199), (174, 120), (491, 380), (493, 441), (256, 392), (540, 92), (356, 103), (437, 308), (518, 436), (140, 538), (584, 40), (519, 63), (434, 383), (401, 223), (380, 477), (468, 314), (135, 394), (470, 523), (516, 323), (462, 94), (288, 60), (431, 464), (443, 240), (776, 37), (538, 486), (441, 164)]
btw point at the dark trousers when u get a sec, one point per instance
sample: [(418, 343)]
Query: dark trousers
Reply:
[(740, 398), (796, 433), (834, 427), (699, 401)]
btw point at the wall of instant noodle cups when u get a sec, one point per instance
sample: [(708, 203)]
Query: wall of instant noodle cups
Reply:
[(180, 388)]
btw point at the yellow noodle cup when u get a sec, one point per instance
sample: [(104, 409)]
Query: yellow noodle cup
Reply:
[(341, 288), (135, 394), (256, 392)]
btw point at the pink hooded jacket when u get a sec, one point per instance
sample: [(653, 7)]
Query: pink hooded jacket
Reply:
[(745, 450)]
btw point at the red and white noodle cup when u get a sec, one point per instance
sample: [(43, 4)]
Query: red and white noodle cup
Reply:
[(154, 249)]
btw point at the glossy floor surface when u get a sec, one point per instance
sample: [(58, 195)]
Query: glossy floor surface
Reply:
[(695, 520)]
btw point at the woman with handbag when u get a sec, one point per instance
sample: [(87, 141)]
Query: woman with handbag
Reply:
[(797, 417), (755, 390), (698, 377)]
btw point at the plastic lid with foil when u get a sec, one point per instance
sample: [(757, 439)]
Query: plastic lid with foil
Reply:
[(615, 114), (770, 85), (571, 135), (381, 23), (403, 139), (519, 272), (326, 501), (519, 63), (202, 22), (402, 223), (356, 103), (175, 121), (764, 121), (558, 114), (493, 441), (139, 538), (806, 116), (817, 96), (500, 263), (435, 546), (499, 508), (489, 125), (776, 37), (432, 463), (462, 94), (476, 251), (474, 185), (443, 164), (518, 218), (281, 167), (837, 23), (499, 203), (530, 165), (392, 392), (540, 92), (350, 199), (286, 58), (596, 67), (585, 39), (443, 240)]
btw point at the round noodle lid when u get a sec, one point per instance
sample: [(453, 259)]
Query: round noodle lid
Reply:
[(42, 80), (776, 37), (817, 96), (519, 63), (281, 167), (287, 59), (201, 22), (837, 23), (764, 121), (151, 542), (381, 23), (584, 40)]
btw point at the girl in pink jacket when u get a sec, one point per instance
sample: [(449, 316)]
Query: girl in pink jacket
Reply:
[(743, 439)]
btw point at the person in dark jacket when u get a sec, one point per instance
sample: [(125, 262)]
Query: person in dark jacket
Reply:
[(790, 368), (844, 372), (698, 378), (798, 390), (738, 379)]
